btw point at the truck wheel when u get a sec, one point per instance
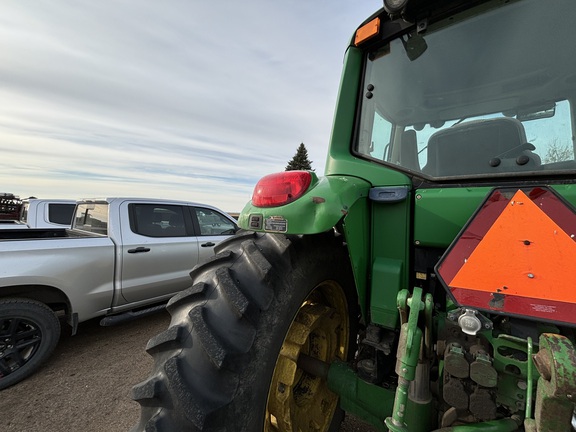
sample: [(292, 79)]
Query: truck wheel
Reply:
[(29, 332), (229, 360)]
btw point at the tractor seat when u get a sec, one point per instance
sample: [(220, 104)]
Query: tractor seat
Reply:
[(480, 147)]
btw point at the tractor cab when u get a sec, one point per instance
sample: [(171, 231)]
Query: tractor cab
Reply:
[(482, 98)]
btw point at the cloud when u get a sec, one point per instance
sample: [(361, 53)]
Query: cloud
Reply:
[(178, 99)]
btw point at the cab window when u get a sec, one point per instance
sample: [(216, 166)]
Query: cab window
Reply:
[(213, 223), (154, 220)]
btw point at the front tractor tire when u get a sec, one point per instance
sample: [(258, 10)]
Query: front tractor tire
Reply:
[(229, 360)]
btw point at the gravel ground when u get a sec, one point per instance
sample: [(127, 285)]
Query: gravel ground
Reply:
[(85, 386)]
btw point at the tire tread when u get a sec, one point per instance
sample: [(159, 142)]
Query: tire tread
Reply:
[(216, 332)]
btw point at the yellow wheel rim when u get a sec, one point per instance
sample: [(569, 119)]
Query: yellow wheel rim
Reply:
[(298, 401)]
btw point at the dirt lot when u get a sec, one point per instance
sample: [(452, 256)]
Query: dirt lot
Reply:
[(85, 386)]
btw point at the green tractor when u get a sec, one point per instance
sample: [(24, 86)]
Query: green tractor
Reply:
[(427, 281)]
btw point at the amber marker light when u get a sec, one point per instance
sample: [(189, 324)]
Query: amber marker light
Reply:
[(367, 31), (281, 188)]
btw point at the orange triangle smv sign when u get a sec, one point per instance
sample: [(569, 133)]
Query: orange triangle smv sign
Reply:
[(524, 253)]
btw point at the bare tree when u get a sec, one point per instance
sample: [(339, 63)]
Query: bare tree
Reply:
[(557, 152)]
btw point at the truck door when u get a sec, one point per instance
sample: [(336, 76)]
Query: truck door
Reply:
[(159, 249), (212, 227)]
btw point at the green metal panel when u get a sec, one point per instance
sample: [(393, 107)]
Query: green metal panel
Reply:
[(440, 214), (357, 233), (387, 278), (367, 401), (378, 237), (567, 191), (390, 252)]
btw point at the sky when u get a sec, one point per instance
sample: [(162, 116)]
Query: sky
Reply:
[(179, 99)]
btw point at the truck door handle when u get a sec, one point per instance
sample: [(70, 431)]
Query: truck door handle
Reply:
[(139, 249), (209, 244)]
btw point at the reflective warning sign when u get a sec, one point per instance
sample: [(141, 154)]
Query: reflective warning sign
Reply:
[(516, 256)]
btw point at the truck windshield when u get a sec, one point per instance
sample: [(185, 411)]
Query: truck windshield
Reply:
[(491, 95)]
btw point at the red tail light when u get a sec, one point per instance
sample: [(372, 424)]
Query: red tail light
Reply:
[(281, 188)]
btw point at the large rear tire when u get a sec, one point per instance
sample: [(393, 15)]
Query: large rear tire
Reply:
[(29, 332), (229, 359)]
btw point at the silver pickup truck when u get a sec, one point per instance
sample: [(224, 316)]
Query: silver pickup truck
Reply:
[(122, 258)]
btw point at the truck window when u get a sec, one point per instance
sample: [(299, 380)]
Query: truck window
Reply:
[(213, 223), (61, 213), (154, 220), (92, 217)]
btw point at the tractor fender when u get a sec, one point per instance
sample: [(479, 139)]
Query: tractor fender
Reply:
[(327, 201)]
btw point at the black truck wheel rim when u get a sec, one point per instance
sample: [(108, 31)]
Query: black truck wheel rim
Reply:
[(19, 341)]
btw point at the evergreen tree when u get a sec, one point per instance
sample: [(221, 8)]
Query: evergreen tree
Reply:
[(300, 160)]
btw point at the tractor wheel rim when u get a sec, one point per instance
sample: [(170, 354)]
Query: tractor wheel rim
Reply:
[(297, 400)]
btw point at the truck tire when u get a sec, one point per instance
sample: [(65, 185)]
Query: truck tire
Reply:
[(29, 332), (228, 360)]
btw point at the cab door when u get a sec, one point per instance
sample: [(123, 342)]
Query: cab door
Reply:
[(212, 227), (159, 249)]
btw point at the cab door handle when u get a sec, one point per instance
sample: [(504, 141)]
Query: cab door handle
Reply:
[(139, 249), (209, 244)]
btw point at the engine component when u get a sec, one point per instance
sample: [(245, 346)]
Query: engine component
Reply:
[(455, 362), (455, 393), (482, 404), (481, 370)]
